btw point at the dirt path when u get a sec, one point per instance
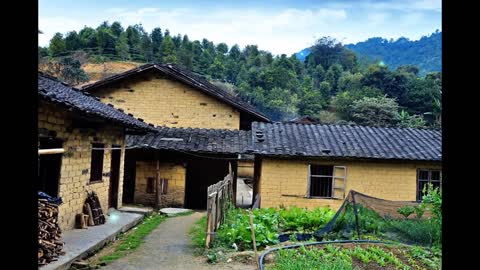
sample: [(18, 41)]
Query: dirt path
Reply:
[(168, 247)]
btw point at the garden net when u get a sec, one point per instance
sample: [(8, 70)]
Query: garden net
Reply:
[(369, 218)]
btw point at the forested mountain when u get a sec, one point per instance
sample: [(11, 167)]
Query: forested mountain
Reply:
[(425, 53), (332, 84)]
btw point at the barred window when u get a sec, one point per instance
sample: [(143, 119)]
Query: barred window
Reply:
[(425, 176), (321, 181)]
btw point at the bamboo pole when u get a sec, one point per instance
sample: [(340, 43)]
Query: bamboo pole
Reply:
[(252, 230), (51, 151)]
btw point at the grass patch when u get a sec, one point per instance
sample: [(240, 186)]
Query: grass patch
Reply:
[(130, 241), (197, 232)]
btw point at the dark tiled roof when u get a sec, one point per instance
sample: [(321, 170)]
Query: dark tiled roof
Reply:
[(55, 91), (344, 141), (188, 78), (216, 141)]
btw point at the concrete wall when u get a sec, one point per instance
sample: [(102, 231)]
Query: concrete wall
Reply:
[(284, 182), (74, 179), (176, 183), (166, 102)]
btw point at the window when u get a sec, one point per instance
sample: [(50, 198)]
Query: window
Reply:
[(164, 185), (321, 181), (150, 185), (425, 176), (96, 166)]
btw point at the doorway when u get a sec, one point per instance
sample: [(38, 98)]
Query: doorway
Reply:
[(202, 173), (114, 177), (49, 167)]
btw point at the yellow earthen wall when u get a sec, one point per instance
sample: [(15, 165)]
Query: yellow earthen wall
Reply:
[(176, 183), (284, 182), (75, 164), (245, 168), (164, 102)]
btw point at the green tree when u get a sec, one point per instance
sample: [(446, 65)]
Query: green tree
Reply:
[(157, 38), (234, 53), (116, 29), (106, 41), (325, 52), (185, 53), (376, 111), (121, 47), (318, 75), (217, 69), (410, 121), (88, 38), (332, 76), (168, 50), (146, 47), (325, 89), (409, 69), (222, 48), (393, 84), (134, 35), (57, 45), (349, 82), (72, 41), (311, 101), (342, 102)]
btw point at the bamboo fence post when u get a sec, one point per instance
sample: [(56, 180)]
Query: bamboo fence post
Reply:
[(252, 230)]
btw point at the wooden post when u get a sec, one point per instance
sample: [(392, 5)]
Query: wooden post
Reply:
[(356, 214), (252, 230), (158, 188)]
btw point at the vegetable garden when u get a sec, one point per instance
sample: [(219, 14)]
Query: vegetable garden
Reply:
[(409, 235)]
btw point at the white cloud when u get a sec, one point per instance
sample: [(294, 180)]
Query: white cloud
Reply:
[(52, 25), (279, 31)]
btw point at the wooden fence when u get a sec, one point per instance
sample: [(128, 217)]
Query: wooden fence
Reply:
[(219, 198)]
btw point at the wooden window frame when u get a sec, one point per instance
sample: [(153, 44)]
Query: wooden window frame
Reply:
[(309, 185), (429, 180), (98, 172)]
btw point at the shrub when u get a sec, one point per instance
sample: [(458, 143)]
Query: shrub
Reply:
[(406, 210)]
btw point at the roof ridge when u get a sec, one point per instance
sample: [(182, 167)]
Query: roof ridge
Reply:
[(355, 126)]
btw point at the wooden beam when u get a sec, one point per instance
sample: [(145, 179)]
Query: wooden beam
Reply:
[(51, 151), (158, 189)]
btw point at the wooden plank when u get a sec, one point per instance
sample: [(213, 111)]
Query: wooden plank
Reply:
[(51, 151)]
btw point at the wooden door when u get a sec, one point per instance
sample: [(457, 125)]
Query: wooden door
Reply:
[(114, 177)]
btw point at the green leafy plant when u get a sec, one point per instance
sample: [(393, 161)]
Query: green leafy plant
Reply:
[(419, 211), (268, 223), (406, 210)]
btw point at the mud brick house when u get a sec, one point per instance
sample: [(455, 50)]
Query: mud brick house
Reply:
[(311, 165), (204, 116), (167, 95), (92, 136)]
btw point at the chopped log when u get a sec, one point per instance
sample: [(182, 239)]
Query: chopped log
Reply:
[(88, 211), (49, 233), (80, 221)]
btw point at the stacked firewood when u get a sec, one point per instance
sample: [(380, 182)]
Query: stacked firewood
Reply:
[(49, 233)]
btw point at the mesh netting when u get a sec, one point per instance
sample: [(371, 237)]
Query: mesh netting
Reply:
[(369, 218)]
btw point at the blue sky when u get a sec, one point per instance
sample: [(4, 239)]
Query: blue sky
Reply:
[(277, 26)]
